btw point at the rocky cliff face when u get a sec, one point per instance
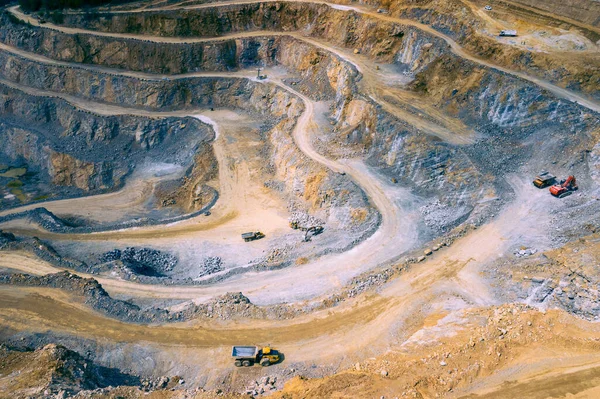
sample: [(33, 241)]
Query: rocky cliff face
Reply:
[(139, 55), (69, 147), (193, 93), (501, 106), (456, 20), (380, 39), (488, 97)]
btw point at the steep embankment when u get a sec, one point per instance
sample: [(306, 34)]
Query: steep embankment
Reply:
[(345, 25), (71, 151)]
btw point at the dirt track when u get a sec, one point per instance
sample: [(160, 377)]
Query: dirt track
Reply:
[(327, 273)]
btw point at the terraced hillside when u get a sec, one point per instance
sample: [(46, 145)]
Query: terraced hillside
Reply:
[(384, 150)]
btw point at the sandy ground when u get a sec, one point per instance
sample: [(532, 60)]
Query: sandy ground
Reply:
[(533, 35)]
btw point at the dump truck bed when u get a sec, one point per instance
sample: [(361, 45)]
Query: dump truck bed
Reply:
[(248, 235), (546, 176), (244, 351)]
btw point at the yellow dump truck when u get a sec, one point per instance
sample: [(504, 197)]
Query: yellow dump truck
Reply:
[(248, 355), (544, 179)]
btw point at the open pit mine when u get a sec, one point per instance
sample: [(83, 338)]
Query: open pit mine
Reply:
[(299, 199)]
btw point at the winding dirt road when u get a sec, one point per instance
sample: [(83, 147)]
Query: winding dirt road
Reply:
[(396, 234)]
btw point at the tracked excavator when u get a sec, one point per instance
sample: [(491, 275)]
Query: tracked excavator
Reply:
[(312, 231), (564, 188), (308, 231)]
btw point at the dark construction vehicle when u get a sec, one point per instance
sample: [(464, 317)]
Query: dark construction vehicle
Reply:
[(253, 235)]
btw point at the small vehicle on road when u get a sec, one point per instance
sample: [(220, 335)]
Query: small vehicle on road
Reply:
[(252, 235), (248, 355), (508, 33)]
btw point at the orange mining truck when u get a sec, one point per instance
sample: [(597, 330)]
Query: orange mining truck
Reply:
[(565, 188)]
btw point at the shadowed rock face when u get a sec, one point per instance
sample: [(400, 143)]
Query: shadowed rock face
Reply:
[(382, 40), (67, 150)]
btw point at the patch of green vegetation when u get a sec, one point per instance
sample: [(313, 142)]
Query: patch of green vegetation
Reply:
[(3, 167), (57, 17), (15, 184), (14, 172), (17, 192), (42, 197)]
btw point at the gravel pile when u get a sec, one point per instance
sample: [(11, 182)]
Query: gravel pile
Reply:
[(305, 220), (524, 252), (440, 217), (145, 261), (264, 385), (212, 264)]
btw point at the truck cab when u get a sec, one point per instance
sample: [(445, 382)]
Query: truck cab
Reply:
[(268, 356)]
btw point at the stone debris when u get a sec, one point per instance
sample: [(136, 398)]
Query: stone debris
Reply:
[(304, 220), (211, 265), (144, 261), (523, 252), (262, 386)]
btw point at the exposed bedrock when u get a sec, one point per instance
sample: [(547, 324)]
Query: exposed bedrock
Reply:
[(577, 71), (378, 38), (489, 99), (140, 55), (506, 111), (82, 152), (155, 94), (503, 111), (413, 50), (386, 42)]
